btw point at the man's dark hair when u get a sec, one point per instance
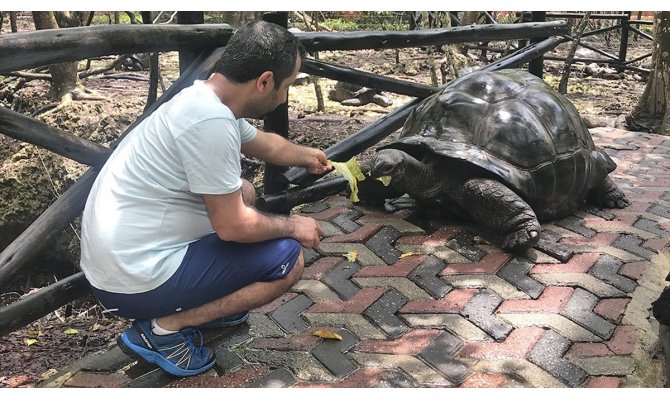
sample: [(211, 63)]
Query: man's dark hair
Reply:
[(258, 47)]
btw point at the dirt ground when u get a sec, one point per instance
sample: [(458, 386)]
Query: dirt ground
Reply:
[(34, 352)]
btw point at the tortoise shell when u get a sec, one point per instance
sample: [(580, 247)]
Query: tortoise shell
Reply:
[(513, 125)]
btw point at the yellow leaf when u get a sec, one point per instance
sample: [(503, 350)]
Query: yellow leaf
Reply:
[(70, 331), (29, 341), (326, 334), (403, 255), (386, 180), (351, 171), (351, 256)]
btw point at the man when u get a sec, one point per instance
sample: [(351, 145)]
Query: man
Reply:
[(169, 234)]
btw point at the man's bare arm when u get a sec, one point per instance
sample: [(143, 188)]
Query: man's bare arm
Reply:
[(279, 151), (234, 221)]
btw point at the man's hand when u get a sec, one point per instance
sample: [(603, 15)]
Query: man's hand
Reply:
[(306, 231), (317, 162)]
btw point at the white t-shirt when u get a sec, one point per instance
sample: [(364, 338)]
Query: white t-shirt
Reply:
[(146, 204)]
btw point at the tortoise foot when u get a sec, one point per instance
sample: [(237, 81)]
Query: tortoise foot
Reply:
[(523, 238), (608, 195), (615, 199)]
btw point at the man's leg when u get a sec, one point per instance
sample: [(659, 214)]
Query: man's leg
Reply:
[(247, 298), (171, 342)]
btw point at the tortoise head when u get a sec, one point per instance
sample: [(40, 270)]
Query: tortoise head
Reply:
[(388, 162), (399, 165)]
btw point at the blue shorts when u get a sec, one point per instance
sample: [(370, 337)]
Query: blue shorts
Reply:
[(211, 269)]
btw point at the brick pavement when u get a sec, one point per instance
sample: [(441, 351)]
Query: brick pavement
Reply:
[(446, 309)]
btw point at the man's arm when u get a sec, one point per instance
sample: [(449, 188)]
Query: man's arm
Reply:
[(275, 149), (234, 221)]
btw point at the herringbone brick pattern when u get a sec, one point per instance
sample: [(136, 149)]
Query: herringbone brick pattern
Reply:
[(446, 309)]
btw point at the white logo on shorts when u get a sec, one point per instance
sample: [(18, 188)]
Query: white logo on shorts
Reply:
[(283, 268)]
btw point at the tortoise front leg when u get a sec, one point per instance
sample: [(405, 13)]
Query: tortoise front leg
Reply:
[(511, 221), (608, 195)]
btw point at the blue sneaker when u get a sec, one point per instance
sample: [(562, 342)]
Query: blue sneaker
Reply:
[(227, 322), (176, 354)]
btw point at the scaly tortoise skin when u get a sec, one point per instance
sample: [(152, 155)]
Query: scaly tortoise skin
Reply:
[(506, 149)]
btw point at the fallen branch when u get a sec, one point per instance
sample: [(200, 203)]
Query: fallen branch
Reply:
[(29, 75), (101, 70)]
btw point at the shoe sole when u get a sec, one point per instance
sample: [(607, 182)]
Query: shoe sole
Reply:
[(141, 354)]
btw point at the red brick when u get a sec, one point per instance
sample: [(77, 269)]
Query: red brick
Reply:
[(437, 238), (356, 305), (478, 380), (578, 263), (598, 224), (412, 342), (552, 300), (584, 350), (17, 381), (628, 219), (608, 132), (490, 264), (452, 303), (638, 205), (603, 238), (516, 345), (623, 341), (326, 215), (300, 342), (321, 267), (96, 380), (634, 270), (612, 309), (402, 268), (657, 244), (401, 214), (604, 382), (360, 235)]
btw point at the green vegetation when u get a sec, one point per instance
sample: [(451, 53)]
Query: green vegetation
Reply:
[(106, 18)]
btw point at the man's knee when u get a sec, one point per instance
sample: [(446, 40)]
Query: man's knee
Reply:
[(296, 272), (248, 193)]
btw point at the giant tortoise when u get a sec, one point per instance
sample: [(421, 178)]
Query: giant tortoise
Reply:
[(506, 149)]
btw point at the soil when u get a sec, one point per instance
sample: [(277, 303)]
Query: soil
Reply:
[(30, 178)]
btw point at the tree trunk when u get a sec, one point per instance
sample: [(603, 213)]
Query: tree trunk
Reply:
[(470, 17), (64, 75), (429, 53), (652, 113), (563, 84), (12, 21)]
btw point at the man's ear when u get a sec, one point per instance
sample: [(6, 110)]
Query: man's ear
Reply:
[(265, 82)]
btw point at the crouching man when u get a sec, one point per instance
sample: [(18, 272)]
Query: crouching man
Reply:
[(170, 237)]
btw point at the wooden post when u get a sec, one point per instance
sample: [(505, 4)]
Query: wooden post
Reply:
[(36, 305), (623, 46), (536, 66), (187, 56), (276, 121), (33, 131), (524, 17), (153, 66), (367, 79), (35, 48), (282, 202)]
